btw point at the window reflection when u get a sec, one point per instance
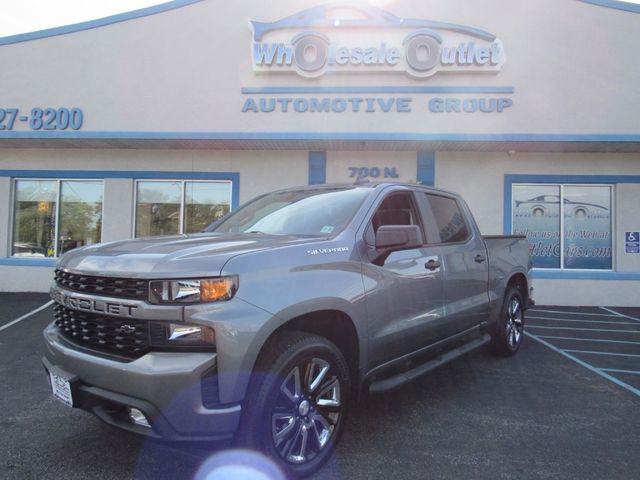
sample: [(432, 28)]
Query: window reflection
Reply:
[(34, 218), (80, 215), (173, 207), (158, 208), (70, 209), (204, 203)]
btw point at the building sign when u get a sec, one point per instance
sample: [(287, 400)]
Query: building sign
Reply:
[(39, 118), (364, 104), (358, 38), (367, 173), (632, 242)]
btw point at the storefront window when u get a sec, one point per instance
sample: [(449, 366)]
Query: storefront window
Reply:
[(568, 226), (587, 227), (80, 214), (69, 210), (205, 202), (536, 214), (173, 207), (158, 208)]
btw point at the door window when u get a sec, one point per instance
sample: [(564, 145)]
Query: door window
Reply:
[(448, 219), (396, 209)]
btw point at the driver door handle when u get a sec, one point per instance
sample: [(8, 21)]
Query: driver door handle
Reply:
[(480, 258)]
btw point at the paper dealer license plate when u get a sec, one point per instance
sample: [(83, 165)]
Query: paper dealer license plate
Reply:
[(61, 388)]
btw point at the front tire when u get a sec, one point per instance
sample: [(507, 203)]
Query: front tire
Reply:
[(509, 331), (297, 402)]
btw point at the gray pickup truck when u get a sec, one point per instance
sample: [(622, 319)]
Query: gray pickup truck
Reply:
[(269, 325)]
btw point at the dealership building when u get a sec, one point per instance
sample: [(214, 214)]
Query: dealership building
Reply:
[(161, 120)]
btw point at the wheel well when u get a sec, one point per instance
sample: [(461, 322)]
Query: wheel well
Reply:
[(336, 327), (520, 282)]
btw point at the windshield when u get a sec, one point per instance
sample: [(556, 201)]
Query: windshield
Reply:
[(321, 212)]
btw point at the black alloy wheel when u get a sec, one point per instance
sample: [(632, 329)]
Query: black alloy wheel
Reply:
[(307, 410), (509, 332), (297, 402)]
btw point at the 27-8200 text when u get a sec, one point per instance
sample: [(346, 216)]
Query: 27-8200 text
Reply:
[(42, 118)]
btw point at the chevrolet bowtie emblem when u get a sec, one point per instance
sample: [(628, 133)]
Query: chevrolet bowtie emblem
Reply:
[(127, 329)]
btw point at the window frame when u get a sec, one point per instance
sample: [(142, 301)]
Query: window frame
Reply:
[(183, 194), (561, 185), (12, 214)]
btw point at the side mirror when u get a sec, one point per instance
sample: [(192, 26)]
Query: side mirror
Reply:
[(390, 238), (398, 237)]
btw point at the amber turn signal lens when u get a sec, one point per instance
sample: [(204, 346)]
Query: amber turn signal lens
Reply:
[(217, 289)]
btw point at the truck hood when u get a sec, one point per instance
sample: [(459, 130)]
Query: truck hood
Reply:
[(171, 257)]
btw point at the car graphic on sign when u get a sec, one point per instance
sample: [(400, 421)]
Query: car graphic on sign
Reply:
[(323, 16), (348, 37), (543, 205)]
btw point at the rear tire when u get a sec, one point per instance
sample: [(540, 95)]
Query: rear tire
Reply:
[(297, 402), (509, 330)]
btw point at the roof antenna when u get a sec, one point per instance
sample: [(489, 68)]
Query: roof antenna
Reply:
[(362, 181)]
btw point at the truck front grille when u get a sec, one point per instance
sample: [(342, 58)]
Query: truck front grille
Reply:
[(108, 286), (126, 337)]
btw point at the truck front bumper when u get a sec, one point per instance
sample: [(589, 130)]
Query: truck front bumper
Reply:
[(168, 388)]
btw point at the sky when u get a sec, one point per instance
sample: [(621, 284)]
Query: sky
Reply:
[(20, 16)]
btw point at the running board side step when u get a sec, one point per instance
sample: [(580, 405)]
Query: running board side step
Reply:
[(400, 379)]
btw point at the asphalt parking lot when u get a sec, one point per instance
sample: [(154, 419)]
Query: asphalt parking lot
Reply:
[(567, 406)]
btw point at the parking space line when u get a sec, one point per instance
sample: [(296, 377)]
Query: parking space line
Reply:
[(612, 314), (615, 370), (591, 352), (604, 340), (585, 329), (620, 314), (573, 320), (600, 372), (13, 322)]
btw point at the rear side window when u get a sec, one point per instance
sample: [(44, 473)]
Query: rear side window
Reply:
[(449, 220)]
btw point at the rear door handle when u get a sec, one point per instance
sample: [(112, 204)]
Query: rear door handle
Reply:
[(432, 265), (480, 258)]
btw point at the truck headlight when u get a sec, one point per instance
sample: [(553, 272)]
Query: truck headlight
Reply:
[(193, 290)]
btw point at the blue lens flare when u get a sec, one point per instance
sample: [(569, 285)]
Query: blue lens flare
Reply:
[(240, 464)]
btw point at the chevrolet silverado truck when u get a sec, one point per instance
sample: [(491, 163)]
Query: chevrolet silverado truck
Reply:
[(269, 325)]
